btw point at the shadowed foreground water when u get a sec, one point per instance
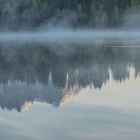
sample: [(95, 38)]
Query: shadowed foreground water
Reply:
[(69, 91)]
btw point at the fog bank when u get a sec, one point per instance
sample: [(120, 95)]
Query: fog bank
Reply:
[(128, 37)]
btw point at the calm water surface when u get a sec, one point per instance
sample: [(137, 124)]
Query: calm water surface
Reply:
[(69, 91)]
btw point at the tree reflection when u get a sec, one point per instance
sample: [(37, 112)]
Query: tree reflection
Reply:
[(37, 72)]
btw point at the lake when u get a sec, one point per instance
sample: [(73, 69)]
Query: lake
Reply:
[(72, 91)]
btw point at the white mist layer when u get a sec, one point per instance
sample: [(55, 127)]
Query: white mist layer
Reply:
[(77, 36)]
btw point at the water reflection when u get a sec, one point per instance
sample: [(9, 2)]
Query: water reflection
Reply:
[(56, 73)]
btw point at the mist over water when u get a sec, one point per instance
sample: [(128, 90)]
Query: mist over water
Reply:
[(127, 37), (85, 77)]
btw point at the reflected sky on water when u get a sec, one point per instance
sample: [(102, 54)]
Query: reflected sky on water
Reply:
[(73, 91)]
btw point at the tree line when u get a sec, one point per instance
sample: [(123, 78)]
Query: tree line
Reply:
[(30, 14)]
